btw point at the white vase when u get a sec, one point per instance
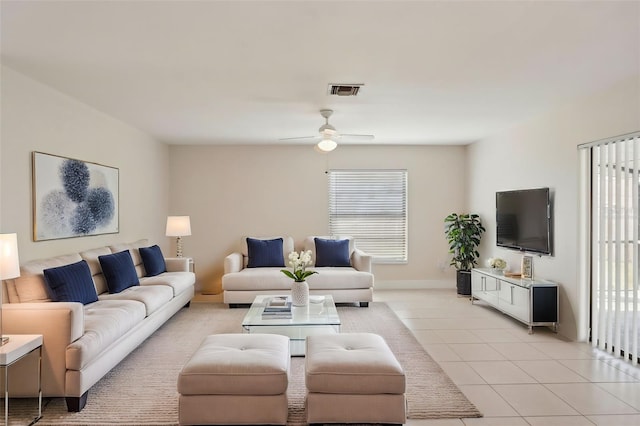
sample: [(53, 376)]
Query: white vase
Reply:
[(300, 293)]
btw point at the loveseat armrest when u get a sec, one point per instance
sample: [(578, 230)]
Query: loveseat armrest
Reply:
[(177, 264), (233, 263), (361, 261), (60, 323)]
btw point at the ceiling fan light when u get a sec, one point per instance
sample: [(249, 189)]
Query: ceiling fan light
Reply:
[(327, 145)]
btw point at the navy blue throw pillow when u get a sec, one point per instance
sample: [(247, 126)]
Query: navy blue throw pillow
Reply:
[(153, 260), (119, 271), (332, 252), (264, 253), (71, 283)]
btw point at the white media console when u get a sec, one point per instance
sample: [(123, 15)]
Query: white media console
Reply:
[(533, 302)]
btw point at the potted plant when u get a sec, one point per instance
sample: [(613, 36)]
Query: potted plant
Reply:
[(300, 289), (463, 233)]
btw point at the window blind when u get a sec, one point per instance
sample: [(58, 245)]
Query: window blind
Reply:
[(615, 290), (371, 206)]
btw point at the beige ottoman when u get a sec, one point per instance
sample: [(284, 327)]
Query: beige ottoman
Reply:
[(236, 379), (353, 378)]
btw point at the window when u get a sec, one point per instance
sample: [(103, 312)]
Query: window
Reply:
[(615, 235), (371, 206)]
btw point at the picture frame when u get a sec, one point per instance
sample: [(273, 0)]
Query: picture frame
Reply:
[(73, 198), (527, 267)]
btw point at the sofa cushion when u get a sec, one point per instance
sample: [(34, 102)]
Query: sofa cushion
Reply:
[(105, 321), (119, 271), (178, 281), (287, 246), (91, 256), (30, 288), (134, 251), (265, 253), (339, 278), (309, 243), (30, 285), (256, 279), (153, 260), (264, 279), (71, 283), (153, 296), (332, 253)]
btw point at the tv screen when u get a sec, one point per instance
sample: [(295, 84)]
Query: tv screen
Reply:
[(523, 220)]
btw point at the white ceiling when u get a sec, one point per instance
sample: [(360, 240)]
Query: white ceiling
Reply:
[(251, 72)]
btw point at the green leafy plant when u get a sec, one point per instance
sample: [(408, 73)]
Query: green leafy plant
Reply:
[(463, 233)]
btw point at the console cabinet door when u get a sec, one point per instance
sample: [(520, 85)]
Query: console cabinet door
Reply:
[(514, 300), (491, 288), (477, 285), (484, 287), (476, 282)]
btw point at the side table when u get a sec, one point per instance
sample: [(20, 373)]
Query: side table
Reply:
[(18, 347)]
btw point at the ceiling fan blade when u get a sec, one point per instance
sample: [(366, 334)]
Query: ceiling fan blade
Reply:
[(328, 136), (356, 137), (298, 138)]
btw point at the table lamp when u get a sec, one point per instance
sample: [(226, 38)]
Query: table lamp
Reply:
[(178, 226), (9, 267)]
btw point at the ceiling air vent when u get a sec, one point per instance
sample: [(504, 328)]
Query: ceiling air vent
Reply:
[(344, 89)]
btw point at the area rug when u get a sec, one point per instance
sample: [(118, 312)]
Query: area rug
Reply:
[(141, 390)]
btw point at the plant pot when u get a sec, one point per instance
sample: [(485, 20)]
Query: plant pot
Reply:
[(463, 282), (300, 293)]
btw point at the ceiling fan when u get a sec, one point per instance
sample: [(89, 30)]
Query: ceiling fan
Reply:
[(328, 135)]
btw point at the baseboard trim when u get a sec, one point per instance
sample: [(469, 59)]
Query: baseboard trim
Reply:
[(414, 284)]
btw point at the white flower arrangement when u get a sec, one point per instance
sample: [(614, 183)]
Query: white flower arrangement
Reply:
[(496, 263), (299, 263)]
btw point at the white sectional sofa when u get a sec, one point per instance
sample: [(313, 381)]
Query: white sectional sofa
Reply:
[(84, 342), (347, 284)]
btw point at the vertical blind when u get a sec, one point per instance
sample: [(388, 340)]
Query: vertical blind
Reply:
[(615, 290), (371, 206)]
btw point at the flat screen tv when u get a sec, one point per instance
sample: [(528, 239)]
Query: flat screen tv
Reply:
[(523, 220)]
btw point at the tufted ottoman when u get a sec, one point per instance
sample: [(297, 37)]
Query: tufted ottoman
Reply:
[(353, 378), (236, 379)]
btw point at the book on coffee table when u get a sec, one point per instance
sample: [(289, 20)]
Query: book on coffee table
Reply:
[(277, 305), (276, 315)]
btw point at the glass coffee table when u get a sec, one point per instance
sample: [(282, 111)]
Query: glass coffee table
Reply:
[(319, 317)]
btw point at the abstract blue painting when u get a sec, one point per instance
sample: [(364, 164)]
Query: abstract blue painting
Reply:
[(73, 198)]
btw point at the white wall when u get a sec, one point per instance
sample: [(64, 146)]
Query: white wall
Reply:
[(235, 191), (543, 152), (37, 118)]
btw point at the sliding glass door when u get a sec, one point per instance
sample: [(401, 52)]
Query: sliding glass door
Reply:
[(614, 245)]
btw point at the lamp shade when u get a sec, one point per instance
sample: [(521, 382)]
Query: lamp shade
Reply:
[(178, 226), (9, 261)]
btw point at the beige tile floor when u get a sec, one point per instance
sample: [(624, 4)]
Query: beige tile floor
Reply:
[(515, 378)]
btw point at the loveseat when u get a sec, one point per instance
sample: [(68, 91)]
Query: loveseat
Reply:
[(83, 342), (351, 282)]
